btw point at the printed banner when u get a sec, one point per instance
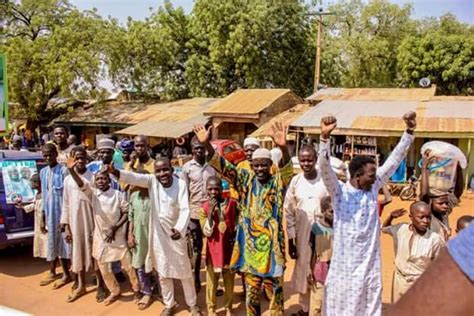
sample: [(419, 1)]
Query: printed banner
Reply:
[(16, 180)]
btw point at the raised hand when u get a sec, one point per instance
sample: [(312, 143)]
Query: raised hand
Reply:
[(279, 131), (202, 134), (71, 163), (398, 213), (133, 158), (427, 159), (328, 124), (410, 120)]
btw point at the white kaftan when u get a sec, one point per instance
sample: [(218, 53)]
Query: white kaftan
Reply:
[(411, 261), (354, 282), (40, 240), (302, 206), (108, 206), (78, 214), (169, 209)]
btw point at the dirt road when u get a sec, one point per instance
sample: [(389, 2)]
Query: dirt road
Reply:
[(20, 275)]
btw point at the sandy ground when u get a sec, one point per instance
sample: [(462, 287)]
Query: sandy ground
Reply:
[(20, 275)]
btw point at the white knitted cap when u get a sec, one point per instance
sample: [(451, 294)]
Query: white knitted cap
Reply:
[(261, 153)]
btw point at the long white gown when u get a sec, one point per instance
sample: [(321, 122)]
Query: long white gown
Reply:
[(169, 209), (354, 282), (302, 206)]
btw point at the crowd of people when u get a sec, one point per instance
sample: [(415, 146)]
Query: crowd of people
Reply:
[(142, 219)]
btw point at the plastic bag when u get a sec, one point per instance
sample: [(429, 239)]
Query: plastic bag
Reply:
[(445, 150), (442, 169)]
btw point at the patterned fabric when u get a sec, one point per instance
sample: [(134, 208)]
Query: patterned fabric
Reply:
[(354, 283), (253, 286), (52, 185), (260, 241)]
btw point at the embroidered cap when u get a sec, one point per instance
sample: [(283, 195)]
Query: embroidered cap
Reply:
[(251, 141), (262, 153)]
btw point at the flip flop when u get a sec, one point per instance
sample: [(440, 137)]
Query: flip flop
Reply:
[(101, 295), (75, 295), (60, 283), (48, 279), (144, 302), (112, 298)]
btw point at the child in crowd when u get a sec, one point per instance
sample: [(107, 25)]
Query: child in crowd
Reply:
[(463, 222), (109, 242), (40, 240), (218, 219), (78, 221), (321, 239), (52, 184), (138, 227), (416, 246)]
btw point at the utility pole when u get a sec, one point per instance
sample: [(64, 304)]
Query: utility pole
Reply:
[(317, 65)]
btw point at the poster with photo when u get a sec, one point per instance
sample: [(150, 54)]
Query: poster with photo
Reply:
[(16, 180)]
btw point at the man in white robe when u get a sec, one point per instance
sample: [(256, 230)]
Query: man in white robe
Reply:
[(170, 214), (354, 282), (302, 206)]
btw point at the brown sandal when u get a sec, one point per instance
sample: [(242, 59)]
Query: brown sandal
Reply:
[(111, 299), (48, 279), (145, 302), (75, 295), (60, 283)]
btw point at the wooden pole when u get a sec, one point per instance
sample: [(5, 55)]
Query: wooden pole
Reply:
[(317, 70)]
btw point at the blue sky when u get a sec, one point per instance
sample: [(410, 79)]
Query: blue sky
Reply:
[(138, 9)]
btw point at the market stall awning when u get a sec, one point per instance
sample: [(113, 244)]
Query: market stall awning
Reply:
[(171, 120), (163, 129)]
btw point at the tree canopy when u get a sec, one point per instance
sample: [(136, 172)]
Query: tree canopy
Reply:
[(55, 50)]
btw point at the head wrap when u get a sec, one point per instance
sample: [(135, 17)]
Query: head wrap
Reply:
[(126, 144), (106, 143)]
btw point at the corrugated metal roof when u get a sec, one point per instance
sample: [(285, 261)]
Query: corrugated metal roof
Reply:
[(384, 117), (248, 101), (109, 112), (286, 117), (170, 120), (373, 94)]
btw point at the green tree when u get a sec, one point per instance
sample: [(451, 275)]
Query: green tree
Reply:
[(149, 56), (53, 51), (249, 44), (447, 60), (364, 39)]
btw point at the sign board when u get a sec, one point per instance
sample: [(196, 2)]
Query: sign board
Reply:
[(3, 95), (16, 180)]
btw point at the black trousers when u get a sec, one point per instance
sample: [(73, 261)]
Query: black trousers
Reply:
[(196, 233)]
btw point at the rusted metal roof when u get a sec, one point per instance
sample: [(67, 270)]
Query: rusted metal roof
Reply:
[(170, 120), (373, 94), (132, 112), (106, 113), (249, 101), (287, 117), (383, 118)]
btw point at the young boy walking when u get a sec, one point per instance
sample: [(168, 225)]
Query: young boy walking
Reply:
[(416, 246), (52, 184), (321, 252), (109, 242), (138, 227), (218, 219)]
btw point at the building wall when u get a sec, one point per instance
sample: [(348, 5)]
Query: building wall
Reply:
[(467, 147)]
